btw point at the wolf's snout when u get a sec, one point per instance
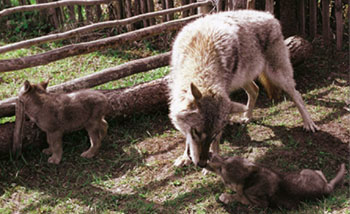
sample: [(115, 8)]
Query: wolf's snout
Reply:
[(202, 163)]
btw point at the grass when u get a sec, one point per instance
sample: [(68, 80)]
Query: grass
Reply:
[(134, 173)]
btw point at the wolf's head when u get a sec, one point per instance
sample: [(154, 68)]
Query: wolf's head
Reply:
[(202, 122)]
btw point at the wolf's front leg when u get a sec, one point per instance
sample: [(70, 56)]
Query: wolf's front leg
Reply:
[(55, 142), (214, 149), (184, 159)]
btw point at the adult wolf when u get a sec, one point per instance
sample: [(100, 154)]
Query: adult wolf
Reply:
[(214, 56)]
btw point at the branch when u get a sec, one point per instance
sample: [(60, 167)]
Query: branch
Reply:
[(88, 47), (97, 26), (7, 107), (43, 6)]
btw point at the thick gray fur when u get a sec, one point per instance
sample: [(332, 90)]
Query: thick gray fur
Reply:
[(215, 55)]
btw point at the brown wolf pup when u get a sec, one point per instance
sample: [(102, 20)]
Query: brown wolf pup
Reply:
[(260, 186), (56, 114), (215, 55)]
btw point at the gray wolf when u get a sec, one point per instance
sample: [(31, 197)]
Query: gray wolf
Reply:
[(57, 113), (259, 186), (215, 55)]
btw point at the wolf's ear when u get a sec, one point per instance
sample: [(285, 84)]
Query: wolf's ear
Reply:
[(27, 86), (195, 92), (44, 84)]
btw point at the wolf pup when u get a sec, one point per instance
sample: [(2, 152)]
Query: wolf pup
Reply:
[(56, 114), (260, 186), (215, 55)]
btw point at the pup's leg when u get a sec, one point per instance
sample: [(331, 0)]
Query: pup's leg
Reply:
[(96, 133), (280, 73), (252, 91), (55, 141)]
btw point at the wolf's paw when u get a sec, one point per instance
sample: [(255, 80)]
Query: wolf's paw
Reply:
[(244, 120), (311, 126), (54, 160), (205, 171), (47, 151), (182, 161), (87, 154)]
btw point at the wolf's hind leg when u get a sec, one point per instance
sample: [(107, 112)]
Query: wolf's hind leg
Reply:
[(281, 74), (252, 91)]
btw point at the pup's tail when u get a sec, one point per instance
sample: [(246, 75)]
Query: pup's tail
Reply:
[(272, 90), (337, 179)]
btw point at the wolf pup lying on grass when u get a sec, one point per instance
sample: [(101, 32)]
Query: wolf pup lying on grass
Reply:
[(260, 186), (56, 114), (215, 55)]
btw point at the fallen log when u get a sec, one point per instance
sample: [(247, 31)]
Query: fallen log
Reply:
[(143, 98), (7, 107)]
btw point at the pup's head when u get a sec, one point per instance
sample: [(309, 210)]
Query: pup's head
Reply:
[(232, 169), (202, 122), (29, 88), (215, 163)]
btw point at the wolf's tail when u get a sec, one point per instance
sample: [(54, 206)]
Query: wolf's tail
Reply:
[(272, 90), (337, 179)]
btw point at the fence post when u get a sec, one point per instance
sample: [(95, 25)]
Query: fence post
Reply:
[(269, 6), (339, 23), (301, 17), (204, 9), (325, 22), (251, 4), (313, 18)]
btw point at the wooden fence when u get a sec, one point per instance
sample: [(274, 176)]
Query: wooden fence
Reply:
[(154, 19)]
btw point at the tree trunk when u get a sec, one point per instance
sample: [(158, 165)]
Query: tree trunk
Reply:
[(143, 98)]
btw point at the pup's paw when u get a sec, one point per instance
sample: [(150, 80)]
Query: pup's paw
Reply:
[(182, 161), (47, 151), (54, 160), (226, 198), (87, 154)]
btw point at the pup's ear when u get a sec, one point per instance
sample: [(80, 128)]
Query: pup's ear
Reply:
[(27, 86), (195, 92), (44, 84)]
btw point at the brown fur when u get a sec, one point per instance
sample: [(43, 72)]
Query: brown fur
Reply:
[(259, 186), (56, 114)]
